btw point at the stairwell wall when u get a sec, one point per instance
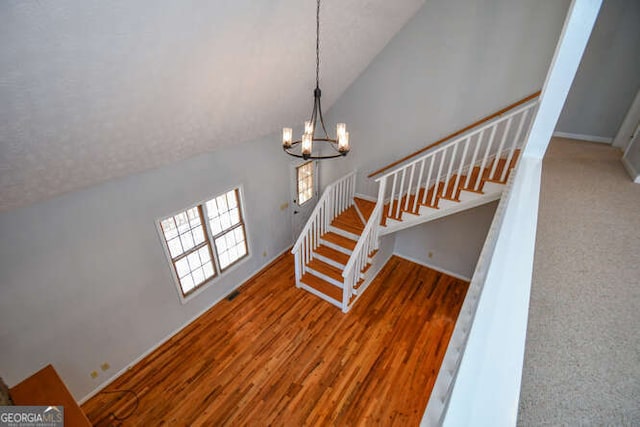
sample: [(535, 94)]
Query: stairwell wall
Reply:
[(451, 64), (451, 244)]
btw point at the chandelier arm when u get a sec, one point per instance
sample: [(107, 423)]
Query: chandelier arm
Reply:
[(314, 115), (329, 141), (326, 135)]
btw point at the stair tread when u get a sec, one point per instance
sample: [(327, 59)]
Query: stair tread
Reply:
[(326, 269), (349, 221), (366, 207), (339, 240), (332, 254), (322, 286), (466, 183), (349, 228)]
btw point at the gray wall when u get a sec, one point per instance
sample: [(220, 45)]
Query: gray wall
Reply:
[(609, 73), (454, 241), (453, 63), (83, 276)]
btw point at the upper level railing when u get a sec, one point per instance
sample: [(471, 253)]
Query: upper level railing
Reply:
[(483, 153), (458, 132), (336, 198)]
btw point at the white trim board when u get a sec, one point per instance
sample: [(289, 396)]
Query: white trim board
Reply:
[(115, 376), (433, 267), (580, 137), (633, 173), (365, 197)]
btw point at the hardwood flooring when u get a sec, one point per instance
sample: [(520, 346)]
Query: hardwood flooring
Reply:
[(277, 355)]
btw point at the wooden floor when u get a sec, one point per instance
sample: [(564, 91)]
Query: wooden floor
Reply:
[(276, 355)]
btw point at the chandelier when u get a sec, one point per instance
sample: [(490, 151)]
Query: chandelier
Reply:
[(303, 148)]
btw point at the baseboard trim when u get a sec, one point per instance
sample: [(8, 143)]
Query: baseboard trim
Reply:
[(633, 173), (433, 267), (180, 328), (580, 137)]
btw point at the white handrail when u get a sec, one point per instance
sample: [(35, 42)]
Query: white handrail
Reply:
[(475, 131), (336, 198), (455, 162)]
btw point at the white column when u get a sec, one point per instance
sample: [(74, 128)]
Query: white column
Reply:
[(566, 59)]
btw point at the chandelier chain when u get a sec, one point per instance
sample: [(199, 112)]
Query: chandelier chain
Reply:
[(318, 44)]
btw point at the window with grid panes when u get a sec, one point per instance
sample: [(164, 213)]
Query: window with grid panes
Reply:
[(227, 228), (305, 182), (188, 237), (189, 248)]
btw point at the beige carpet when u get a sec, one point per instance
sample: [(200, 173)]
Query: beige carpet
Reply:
[(582, 357)]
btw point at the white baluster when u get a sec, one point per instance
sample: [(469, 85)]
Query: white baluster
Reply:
[(297, 266), (525, 114), (453, 159), (500, 147), (484, 161), (473, 163), (426, 185), (415, 199), (381, 191), (460, 167), (436, 183), (404, 172), (393, 190), (406, 203)]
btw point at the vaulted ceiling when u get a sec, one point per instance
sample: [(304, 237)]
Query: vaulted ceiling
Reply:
[(92, 90)]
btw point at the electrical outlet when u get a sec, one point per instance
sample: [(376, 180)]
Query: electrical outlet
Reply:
[(264, 254), (105, 366), (94, 374), (430, 254)]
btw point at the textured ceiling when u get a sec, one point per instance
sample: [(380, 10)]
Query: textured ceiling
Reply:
[(92, 90)]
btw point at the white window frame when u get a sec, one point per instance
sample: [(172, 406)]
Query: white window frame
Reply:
[(218, 272), (313, 181)]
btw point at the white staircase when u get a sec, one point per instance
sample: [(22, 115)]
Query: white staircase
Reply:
[(335, 250)]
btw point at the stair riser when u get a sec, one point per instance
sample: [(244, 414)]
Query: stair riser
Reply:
[(344, 233), (329, 261), (325, 277), (320, 295), (336, 247)]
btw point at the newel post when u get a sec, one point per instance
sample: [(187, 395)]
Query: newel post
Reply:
[(382, 189)]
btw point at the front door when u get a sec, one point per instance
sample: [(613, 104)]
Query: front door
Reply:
[(304, 193)]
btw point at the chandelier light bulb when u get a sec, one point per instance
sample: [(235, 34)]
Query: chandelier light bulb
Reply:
[(287, 137), (308, 127), (343, 142), (341, 128), (307, 144)]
